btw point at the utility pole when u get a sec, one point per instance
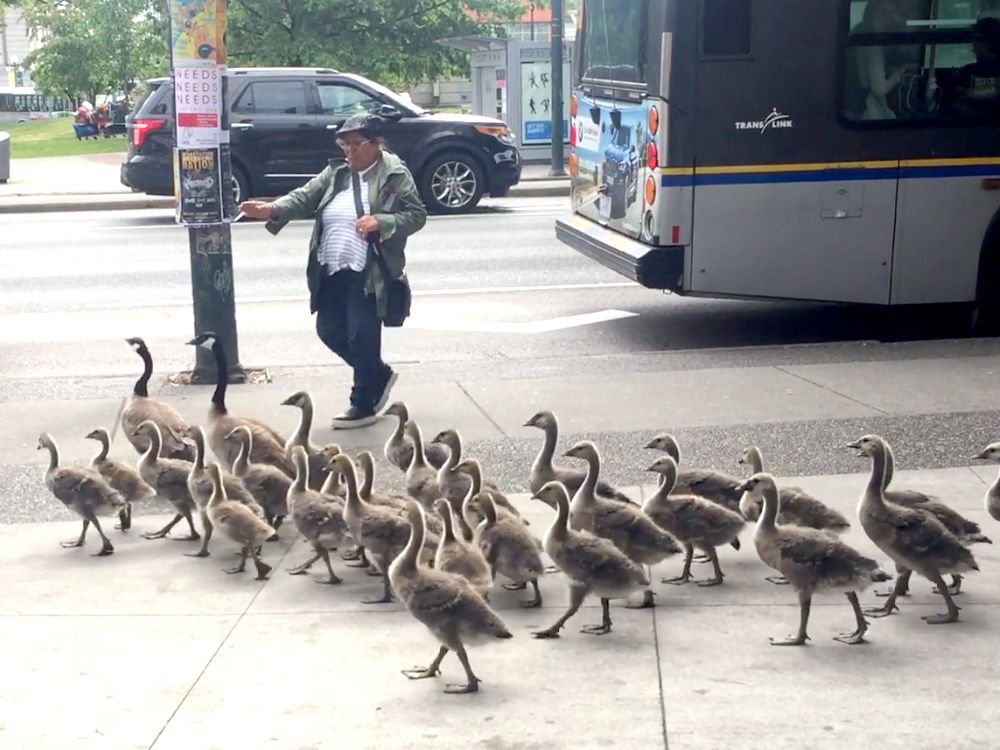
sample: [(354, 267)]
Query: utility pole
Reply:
[(205, 201), (556, 53)]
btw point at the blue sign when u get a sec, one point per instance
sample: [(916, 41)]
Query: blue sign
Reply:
[(541, 130)]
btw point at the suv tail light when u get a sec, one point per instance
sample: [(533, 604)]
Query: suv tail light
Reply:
[(143, 127)]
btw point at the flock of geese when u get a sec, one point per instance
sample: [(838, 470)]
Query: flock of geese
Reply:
[(440, 544)]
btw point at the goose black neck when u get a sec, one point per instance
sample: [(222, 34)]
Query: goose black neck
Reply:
[(142, 384), (221, 374)]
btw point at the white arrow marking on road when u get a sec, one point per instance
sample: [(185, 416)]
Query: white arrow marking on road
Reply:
[(527, 327)]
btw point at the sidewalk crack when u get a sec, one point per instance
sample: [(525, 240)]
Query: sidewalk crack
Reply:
[(482, 411), (659, 681), (828, 389)]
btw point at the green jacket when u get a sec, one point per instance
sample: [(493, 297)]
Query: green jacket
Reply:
[(395, 204)]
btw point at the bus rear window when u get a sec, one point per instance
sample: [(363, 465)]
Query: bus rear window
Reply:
[(612, 40)]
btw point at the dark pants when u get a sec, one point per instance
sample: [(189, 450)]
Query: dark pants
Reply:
[(347, 322)]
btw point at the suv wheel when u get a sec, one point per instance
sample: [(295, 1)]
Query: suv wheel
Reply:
[(241, 185), (452, 183)]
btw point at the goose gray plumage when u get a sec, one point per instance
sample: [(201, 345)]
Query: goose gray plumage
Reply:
[(454, 484), (268, 446), (966, 531), (319, 456), (543, 470), (267, 484), (237, 522), (693, 520), (592, 564), (83, 491), (168, 476), (398, 448), (914, 539), (379, 530), (318, 517), (445, 603), (455, 555), (717, 486), (119, 475), (509, 548), (797, 506), (421, 477), (141, 407), (991, 453), (625, 526), (474, 470), (201, 487), (811, 561)]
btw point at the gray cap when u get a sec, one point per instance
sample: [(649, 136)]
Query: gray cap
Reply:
[(365, 123)]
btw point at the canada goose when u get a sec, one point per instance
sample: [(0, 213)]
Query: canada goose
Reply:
[(543, 470), (421, 477), (509, 548), (268, 484), (472, 468), (592, 564), (83, 491), (710, 484), (398, 448), (966, 531), (454, 484), (455, 555), (319, 456), (992, 453), (201, 487), (695, 521), (445, 603), (119, 475), (811, 561), (141, 407), (268, 446), (915, 540), (380, 530), (625, 526), (168, 476), (238, 523), (319, 517), (797, 506)]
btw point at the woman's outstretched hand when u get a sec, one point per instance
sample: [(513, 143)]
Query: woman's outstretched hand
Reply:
[(257, 209)]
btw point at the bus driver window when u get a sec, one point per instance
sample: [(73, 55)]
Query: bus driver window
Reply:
[(875, 75)]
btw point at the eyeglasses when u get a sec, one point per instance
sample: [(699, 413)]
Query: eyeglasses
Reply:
[(345, 145)]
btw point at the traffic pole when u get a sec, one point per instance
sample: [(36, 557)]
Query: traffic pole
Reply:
[(203, 173), (558, 167)]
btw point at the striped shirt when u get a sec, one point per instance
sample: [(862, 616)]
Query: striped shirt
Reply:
[(340, 245)]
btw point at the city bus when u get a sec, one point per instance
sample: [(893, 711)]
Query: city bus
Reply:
[(828, 150)]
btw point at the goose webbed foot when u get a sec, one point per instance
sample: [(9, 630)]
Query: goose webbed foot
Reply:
[(645, 603), (273, 537), (552, 632), (162, 533), (777, 580), (515, 586), (300, 570), (199, 553), (678, 580), (71, 543), (358, 553), (124, 520), (106, 549), (884, 611), (262, 569), (716, 581), (794, 640), (372, 571), (432, 670), (889, 592), (858, 636), (534, 602), (605, 627), (472, 687), (942, 619), (386, 598)]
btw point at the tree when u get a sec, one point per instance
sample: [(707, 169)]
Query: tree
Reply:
[(391, 41), (92, 47)]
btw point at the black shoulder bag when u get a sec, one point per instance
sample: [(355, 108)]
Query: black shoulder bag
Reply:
[(397, 288)]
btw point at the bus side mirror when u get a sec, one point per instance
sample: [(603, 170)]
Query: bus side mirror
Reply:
[(616, 118), (595, 115)]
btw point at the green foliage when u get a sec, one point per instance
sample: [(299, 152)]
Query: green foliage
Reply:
[(391, 41), (93, 47)]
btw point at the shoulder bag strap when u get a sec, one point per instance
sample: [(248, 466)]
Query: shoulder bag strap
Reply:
[(360, 209)]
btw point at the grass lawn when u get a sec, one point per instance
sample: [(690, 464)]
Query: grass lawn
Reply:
[(55, 137)]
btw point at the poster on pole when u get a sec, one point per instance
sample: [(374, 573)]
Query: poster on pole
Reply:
[(198, 103), (200, 195), (197, 32), (536, 101)]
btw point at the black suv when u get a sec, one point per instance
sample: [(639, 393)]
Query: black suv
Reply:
[(283, 126)]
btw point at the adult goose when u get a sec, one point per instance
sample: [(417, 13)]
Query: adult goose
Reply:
[(141, 408), (811, 561), (119, 475), (445, 603), (268, 445), (83, 491), (914, 539), (543, 470)]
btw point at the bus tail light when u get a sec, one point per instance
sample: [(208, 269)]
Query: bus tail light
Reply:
[(573, 106), (572, 163), (143, 127), (652, 155), (653, 120), (650, 191), (572, 133)]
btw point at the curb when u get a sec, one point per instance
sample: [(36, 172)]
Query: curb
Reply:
[(38, 204)]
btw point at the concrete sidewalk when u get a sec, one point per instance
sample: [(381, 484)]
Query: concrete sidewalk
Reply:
[(91, 183), (148, 648)]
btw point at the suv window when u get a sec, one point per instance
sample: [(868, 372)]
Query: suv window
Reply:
[(157, 99), (273, 97), (341, 100), (921, 60)]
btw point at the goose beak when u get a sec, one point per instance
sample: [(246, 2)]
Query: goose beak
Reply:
[(529, 423), (92, 435), (742, 486), (651, 468), (651, 445), (290, 401), (192, 342), (980, 456)]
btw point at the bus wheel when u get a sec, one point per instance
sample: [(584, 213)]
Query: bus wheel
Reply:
[(986, 312)]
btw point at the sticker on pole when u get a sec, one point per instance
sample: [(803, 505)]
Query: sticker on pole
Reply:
[(198, 97), (200, 193)]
